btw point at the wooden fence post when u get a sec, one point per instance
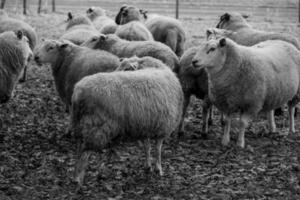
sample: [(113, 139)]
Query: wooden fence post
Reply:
[(24, 7), (177, 9), (53, 5), (2, 4), (39, 6)]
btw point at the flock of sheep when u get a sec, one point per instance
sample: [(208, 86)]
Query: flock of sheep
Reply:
[(131, 78)]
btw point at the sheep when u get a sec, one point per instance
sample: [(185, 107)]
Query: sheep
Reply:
[(250, 80), (140, 105), (102, 22), (15, 53), (79, 29), (134, 31), (124, 48), (194, 82), (11, 24), (242, 33), (70, 63), (164, 29), (136, 63)]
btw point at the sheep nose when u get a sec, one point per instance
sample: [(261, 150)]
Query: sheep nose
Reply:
[(36, 58), (194, 62), (4, 98)]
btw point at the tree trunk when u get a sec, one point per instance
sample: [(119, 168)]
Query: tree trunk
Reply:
[(39, 6), (2, 3), (53, 5), (24, 7)]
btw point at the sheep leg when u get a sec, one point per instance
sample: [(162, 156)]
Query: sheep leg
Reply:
[(81, 165), (211, 116), (244, 121), (147, 146), (272, 121), (186, 102), (205, 116), (291, 109), (222, 119), (158, 168), (226, 135)]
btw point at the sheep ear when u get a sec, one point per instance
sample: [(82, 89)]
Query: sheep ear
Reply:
[(208, 33), (222, 42), (245, 16), (89, 10), (103, 37), (225, 17), (19, 34), (63, 45), (70, 16)]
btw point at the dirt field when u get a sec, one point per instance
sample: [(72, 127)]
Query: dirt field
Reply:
[(37, 160)]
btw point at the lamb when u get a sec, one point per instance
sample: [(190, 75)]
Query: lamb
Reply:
[(164, 29), (136, 63), (70, 63), (102, 22), (141, 105), (15, 53), (194, 82), (79, 29), (11, 24), (242, 33), (134, 31), (124, 48), (250, 80)]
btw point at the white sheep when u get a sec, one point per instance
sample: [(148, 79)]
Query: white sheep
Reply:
[(164, 29), (240, 31), (11, 24), (70, 63), (124, 48), (134, 31), (15, 53), (102, 22), (136, 63), (141, 105), (250, 80), (79, 29)]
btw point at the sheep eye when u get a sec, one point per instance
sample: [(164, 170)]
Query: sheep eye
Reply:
[(211, 50), (94, 39), (50, 48)]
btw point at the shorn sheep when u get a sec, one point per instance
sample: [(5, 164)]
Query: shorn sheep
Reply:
[(79, 29), (15, 53), (250, 80), (194, 82), (134, 31), (141, 105), (164, 29), (11, 24), (102, 22), (242, 32), (124, 48), (70, 63)]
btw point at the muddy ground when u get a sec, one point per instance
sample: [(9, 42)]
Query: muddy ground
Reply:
[(37, 159)]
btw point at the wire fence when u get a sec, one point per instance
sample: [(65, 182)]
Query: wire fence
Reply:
[(270, 10)]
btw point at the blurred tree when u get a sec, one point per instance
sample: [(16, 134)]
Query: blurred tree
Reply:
[(2, 3), (24, 7), (39, 6), (53, 5)]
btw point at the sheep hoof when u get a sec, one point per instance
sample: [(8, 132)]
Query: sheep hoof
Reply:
[(241, 144), (147, 169), (225, 142), (158, 172)]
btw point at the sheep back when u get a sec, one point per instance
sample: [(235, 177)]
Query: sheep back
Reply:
[(134, 31)]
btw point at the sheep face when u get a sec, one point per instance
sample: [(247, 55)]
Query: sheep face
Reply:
[(49, 51), (94, 12), (103, 42), (77, 20), (119, 15), (211, 55), (129, 64), (130, 13), (232, 21)]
